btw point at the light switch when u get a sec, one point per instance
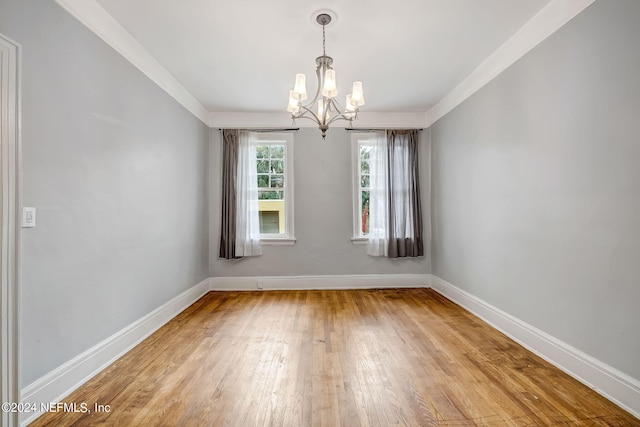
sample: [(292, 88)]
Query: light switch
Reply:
[(28, 217)]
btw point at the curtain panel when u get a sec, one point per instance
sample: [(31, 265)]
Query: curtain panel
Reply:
[(239, 228), (395, 221), (247, 204), (378, 243), (230, 143), (405, 233)]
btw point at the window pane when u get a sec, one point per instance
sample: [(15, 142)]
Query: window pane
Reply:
[(262, 151), (364, 166), (277, 181), (277, 166), (364, 152), (364, 181), (270, 222), (274, 206), (270, 195), (263, 166), (277, 151), (263, 181), (365, 211)]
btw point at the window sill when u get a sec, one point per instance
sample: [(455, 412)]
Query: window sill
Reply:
[(278, 242), (360, 241)]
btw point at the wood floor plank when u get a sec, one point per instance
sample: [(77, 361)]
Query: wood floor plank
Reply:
[(406, 357)]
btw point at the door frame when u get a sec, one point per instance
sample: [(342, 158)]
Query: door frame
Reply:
[(10, 142)]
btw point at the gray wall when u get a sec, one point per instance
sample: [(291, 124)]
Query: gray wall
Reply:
[(536, 186), (117, 170), (323, 216)]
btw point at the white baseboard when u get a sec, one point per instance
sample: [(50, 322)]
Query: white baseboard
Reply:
[(616, 386), (59, 383), (359, 281), (611, 383)]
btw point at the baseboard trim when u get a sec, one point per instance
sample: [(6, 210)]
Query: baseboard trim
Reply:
[(616, 386), (609, 382), (59, 383), (359, 281)]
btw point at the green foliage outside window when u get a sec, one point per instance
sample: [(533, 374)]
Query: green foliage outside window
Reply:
[(270, 195), (365, 182), (270, 168)]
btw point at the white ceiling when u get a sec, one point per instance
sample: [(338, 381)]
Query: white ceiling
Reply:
[(242, 55)]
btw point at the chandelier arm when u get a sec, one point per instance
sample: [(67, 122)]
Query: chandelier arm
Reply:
[(309, 118), (327, 109), (337, 105), (323, 65), (332, 105), (310, 111), (340, 112), (320, 78), (345, 115), (345, 111), (340, 116), (335, 117)]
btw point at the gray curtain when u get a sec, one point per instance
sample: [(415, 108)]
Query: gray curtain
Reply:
[(230, 142), (405, 210)]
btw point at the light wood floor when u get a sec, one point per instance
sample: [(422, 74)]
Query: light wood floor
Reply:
[(334, 358)]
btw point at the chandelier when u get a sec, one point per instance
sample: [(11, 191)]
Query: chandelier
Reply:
[(324, 109)]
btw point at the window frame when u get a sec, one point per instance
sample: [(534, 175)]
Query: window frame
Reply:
[(286, 139), (357, 140)]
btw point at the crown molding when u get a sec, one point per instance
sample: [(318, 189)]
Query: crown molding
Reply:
[(251, 120), (283, 119), (547, 21), (98, 20)]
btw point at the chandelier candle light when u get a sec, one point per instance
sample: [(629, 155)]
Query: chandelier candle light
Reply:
[(327, 108)]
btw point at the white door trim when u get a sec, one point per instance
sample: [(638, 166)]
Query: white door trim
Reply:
[(10, 232)]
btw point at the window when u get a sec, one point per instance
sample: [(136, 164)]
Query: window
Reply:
[(387, 211), (274, 171), (361, 146)]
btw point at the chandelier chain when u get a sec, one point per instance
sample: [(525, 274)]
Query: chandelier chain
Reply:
[(324, 53)]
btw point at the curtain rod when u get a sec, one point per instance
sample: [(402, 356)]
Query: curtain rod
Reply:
[(378, 129), (265, 130)]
